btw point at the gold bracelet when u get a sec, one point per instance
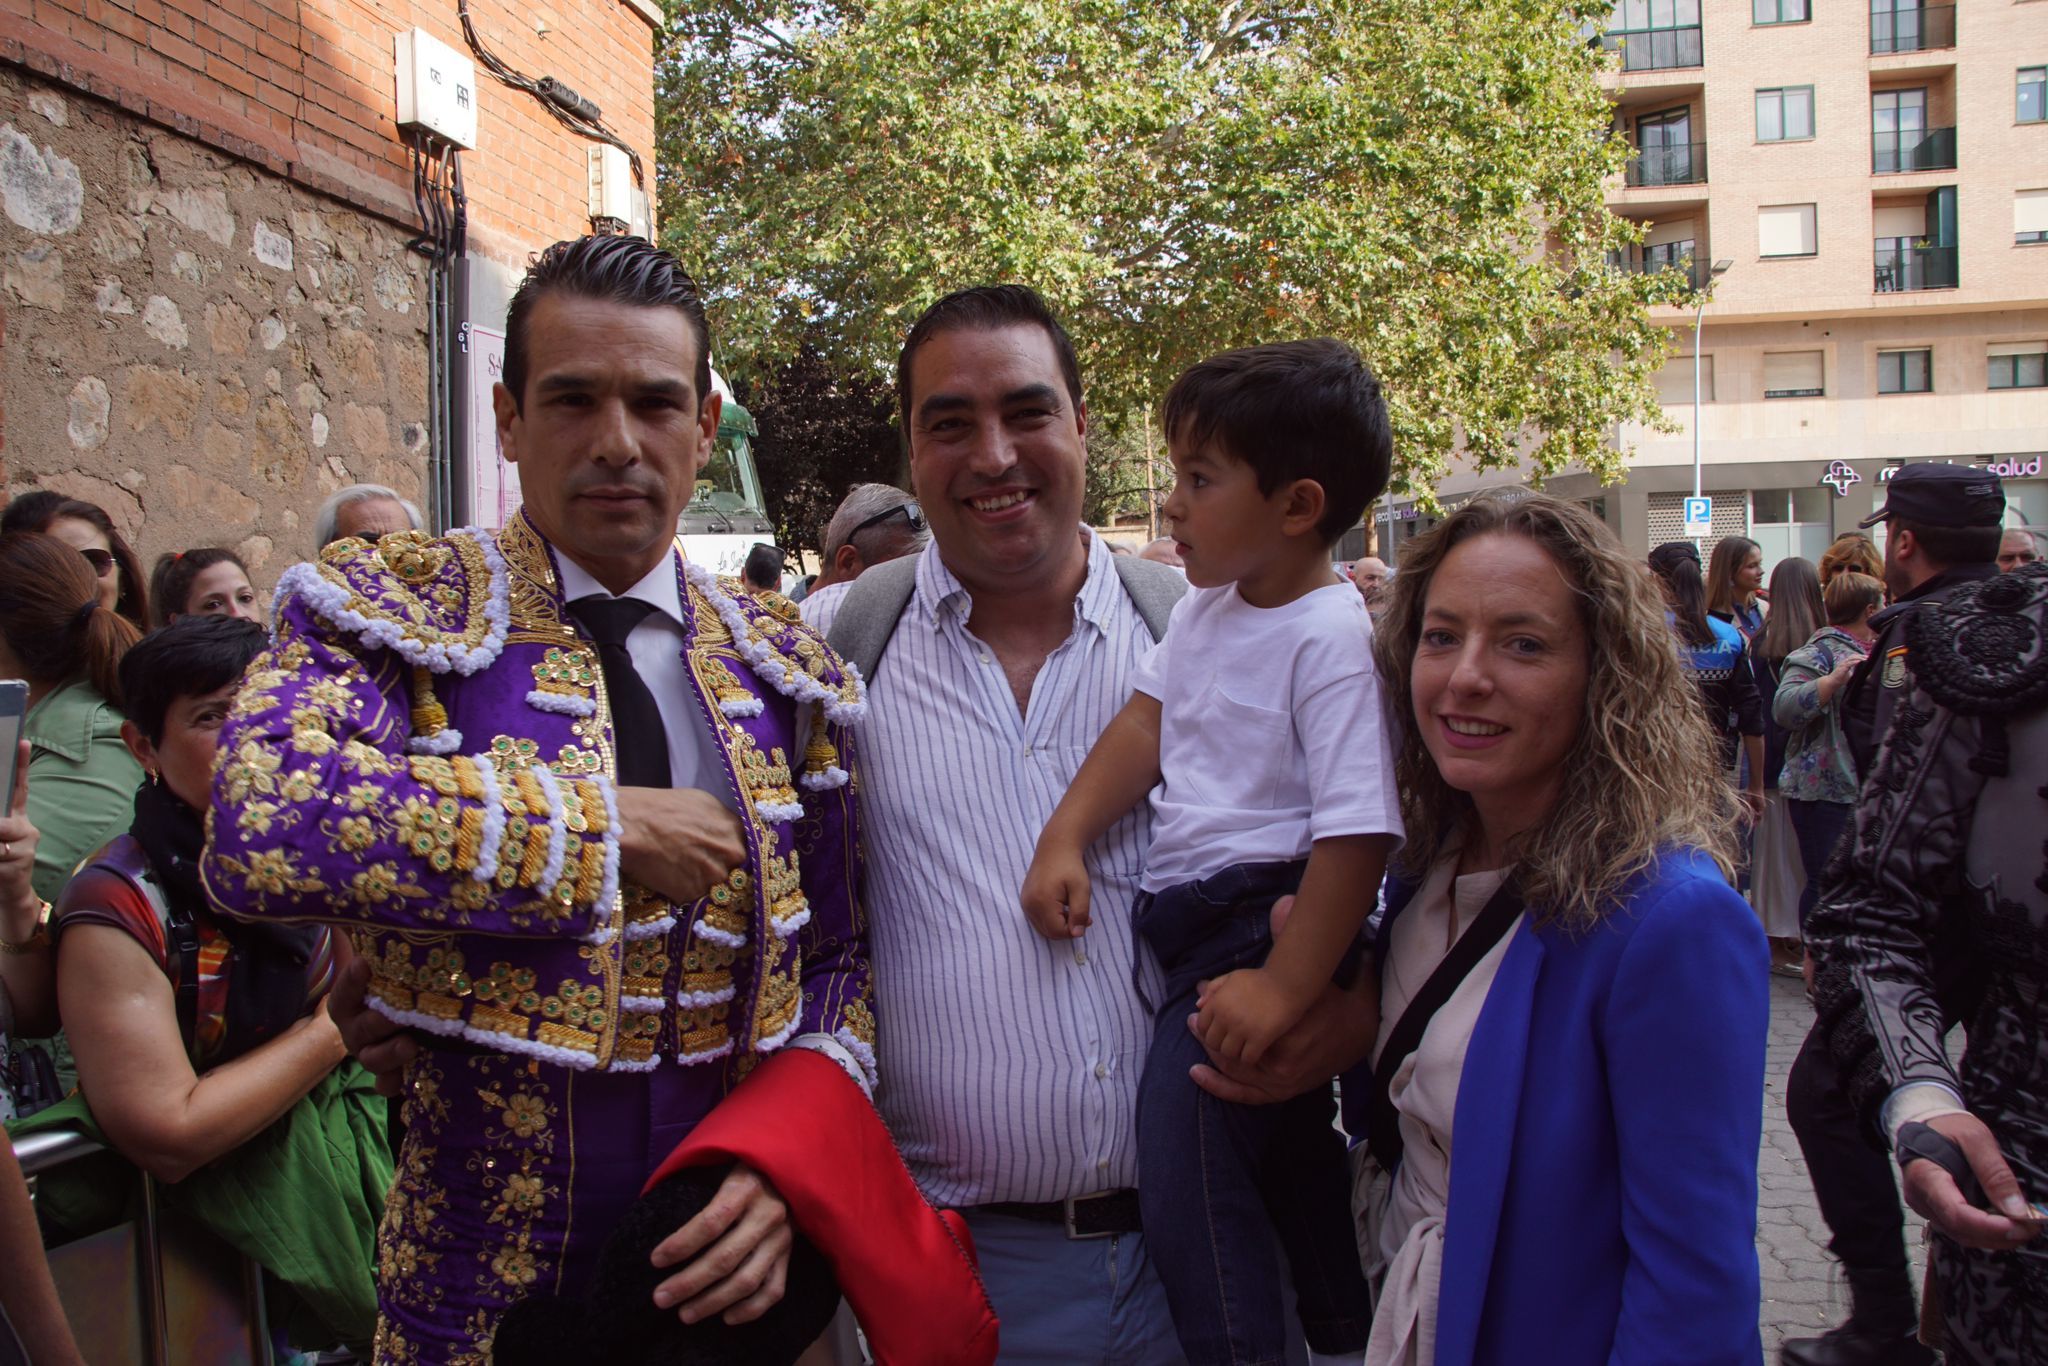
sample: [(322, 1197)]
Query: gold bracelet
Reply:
[(40, 939)]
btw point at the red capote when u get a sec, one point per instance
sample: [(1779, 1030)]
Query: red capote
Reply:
[(906, 1268)]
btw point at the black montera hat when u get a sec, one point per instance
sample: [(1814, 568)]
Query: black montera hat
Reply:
[(1942, 495)]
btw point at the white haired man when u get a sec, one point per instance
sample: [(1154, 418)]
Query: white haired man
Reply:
[(874, 524), (367, 511)]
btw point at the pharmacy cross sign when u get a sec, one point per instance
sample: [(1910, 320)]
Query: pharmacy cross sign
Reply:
[(1839, 477)]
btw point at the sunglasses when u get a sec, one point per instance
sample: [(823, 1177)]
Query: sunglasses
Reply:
[(102, 562), (911, 513)]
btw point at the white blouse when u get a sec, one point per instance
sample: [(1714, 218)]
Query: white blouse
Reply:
[(1403, 1227)]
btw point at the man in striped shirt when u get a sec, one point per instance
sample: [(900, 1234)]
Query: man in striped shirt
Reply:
[(1009, 1065)]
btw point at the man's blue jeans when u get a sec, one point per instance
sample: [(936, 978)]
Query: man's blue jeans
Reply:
[(1218, 1182)]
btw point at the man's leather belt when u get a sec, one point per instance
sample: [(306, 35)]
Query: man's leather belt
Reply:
[(1103, 1215)]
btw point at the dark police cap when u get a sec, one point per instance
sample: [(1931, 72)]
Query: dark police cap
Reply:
[(1942, 495)]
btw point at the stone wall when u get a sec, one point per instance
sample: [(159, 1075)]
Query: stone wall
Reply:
[(203, 348)]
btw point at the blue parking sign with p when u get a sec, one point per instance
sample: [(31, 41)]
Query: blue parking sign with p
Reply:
[(1699, 517)]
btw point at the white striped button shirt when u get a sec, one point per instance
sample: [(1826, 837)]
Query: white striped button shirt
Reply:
[(1009, 1064)]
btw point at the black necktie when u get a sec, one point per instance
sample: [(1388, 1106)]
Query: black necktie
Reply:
[(638, 736)]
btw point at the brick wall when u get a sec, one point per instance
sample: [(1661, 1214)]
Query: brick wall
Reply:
[(305, 89)]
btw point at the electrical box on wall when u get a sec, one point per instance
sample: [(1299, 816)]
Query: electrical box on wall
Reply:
[(611, 183), (436, 89)]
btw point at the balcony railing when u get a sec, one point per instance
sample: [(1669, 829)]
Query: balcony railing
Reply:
[(1685, 264), (1654, 49), (1912, 30), (1683, 163), (1917, 149), (1906, 264)]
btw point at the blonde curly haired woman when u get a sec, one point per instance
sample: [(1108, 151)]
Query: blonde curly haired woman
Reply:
[(1590, 997)]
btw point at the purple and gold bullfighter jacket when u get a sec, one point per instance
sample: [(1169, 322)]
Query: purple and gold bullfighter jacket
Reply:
[(424, 755)]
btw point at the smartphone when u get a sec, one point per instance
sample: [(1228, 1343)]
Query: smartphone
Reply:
[(13, 711)]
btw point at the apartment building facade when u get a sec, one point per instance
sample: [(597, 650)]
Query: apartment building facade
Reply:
[(1871, 179)]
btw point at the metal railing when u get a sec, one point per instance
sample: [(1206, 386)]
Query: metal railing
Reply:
[(1913, 149), (1655, 49), (1912, 30), (1685, 264), (1683, 163), (1906, 264)]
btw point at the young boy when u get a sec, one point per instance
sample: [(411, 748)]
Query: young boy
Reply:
[(1256, 728)]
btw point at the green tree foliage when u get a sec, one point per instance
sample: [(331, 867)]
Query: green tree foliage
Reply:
[(1179, 177), (822, 432)]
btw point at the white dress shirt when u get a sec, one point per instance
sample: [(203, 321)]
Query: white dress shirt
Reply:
[(657, 645), (1009, 1064), (821, 605)]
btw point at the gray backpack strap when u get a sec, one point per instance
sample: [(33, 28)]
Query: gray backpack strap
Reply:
[(875, 603), (1153, 590), (868, 616)]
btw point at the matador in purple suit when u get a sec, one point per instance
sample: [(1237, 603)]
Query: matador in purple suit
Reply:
[(446, 750)]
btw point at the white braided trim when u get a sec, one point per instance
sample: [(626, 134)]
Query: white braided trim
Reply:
[(601, 936), (832, 777), (780, 811), (769, 666), (644, 1065), (649, 929), (704, 929), (558, 830), (562, 704), (444, 741), (640, 1005), (500, 1043), (493, 800), (743, 706), (697, 1000), (864, 1054), (708, 1055), (780, 1036), (330, 601), (783, 929)]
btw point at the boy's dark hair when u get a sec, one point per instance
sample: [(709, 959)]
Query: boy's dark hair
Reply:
[(1953, 547), (627, 270), (1291, 410), (170, 583), (764, 566), (191, 657), (984, 308)]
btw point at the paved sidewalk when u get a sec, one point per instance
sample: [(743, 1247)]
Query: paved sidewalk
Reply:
[(1803, 1289)]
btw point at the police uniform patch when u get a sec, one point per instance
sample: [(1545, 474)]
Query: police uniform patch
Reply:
[(1895, 667)]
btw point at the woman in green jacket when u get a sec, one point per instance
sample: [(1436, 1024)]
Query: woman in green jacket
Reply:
[(56, 634)]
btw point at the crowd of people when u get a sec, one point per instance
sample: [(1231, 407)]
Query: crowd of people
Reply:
[(996, 938)]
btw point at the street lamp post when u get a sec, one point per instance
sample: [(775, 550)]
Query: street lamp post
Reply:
[(1719, 269)]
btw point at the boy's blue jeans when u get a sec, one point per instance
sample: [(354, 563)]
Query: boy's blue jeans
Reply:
[(1217, 1182)]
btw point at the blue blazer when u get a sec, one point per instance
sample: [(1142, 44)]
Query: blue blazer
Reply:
[(1603, 1173)]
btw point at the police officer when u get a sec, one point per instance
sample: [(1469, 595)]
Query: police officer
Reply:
[(1942, 534), (1943, 524)]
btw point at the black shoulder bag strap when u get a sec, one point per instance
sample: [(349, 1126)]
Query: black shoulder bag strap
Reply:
[(181, 938), (1384, 1128)]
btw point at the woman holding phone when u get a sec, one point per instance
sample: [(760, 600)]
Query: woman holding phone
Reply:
[(59, 637)]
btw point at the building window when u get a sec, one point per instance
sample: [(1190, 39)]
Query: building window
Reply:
[(1905, 372), (2030, 217), (2019, 365), (1781, 12), (1674, 381), (1654, 35), (1786, 230), (1794, 374), (1784, 114), (1787, 522), (2033, 94)]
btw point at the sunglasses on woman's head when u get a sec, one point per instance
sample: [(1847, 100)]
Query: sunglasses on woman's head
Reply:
[(101, 561)]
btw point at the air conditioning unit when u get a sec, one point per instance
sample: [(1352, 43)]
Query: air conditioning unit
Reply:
[(611, 183)]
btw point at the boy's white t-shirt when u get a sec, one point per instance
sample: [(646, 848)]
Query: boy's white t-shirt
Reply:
[(1271, 734)]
